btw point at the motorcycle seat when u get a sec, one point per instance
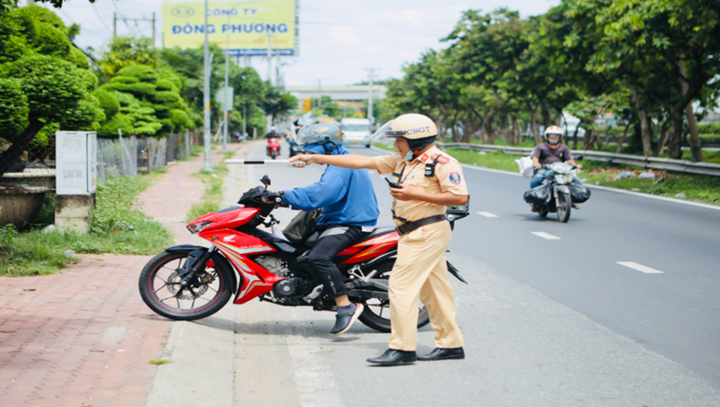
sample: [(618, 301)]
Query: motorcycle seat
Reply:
[(379, 231)]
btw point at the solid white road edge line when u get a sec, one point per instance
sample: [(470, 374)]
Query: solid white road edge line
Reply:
[(487, 214), (544, 235), (639, 267)]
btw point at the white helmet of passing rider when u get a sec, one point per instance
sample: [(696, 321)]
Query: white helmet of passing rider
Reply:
[(419, 131), (553, 130)]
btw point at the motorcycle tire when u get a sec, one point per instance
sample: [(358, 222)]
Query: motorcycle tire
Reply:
[(542, 212), (564, 205), (160, 288), (273, 154), (376, 314)]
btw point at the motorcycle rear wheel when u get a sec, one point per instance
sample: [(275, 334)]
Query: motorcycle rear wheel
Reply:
[(376, 314), (161, 290), (564, 206)]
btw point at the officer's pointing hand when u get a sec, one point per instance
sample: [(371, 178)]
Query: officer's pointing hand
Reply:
[(301, 160)]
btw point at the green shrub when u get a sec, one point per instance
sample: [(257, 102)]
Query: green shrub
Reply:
[(143, 72), (709, 128)]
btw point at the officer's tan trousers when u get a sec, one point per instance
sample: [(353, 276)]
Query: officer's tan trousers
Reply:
[(420, 273)]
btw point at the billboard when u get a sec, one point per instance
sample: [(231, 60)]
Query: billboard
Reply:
[(249, 25)]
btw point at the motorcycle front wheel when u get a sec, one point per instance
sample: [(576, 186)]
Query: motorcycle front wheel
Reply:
[(564, 206), (161, 289), (376, 314)]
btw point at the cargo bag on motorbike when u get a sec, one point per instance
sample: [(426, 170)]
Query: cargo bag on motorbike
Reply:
[(302, 226), (579, 193), (539, 195)]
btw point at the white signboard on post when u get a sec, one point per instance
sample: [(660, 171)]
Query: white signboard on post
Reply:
[(76, 162), (225, 96)]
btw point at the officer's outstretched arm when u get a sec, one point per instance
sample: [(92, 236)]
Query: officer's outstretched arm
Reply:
[(343, 160)]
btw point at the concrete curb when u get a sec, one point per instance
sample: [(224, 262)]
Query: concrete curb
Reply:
[(201, 371)]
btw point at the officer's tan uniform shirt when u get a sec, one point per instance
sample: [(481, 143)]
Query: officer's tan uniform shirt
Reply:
[(448, 177)]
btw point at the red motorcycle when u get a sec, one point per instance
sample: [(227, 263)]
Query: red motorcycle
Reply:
[(188, 282), (273, 147)]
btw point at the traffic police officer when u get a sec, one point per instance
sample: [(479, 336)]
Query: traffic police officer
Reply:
[(429, 180)]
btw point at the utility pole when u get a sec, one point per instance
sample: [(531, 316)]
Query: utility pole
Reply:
[(206, 92), (225, 93), (319, 104), (114, 25), (153, 25), (370, 97), (269, 58)]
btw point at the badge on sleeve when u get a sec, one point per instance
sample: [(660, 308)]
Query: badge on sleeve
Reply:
[(455, 178)]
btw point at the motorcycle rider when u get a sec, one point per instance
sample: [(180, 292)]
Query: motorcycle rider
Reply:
[(551, 151), (430, 180), (349, 212), (273, 133)]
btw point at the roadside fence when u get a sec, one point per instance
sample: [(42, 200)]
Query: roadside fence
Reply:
[(29, 179)]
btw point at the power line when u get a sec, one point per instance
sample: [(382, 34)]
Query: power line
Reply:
[(100, 18), (83, 16), (114, 3)]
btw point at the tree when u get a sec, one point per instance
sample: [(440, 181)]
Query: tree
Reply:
[(486, 50), (45, 83), (126, 51), (661, 39)]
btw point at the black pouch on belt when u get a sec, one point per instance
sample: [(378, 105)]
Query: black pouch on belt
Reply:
[(409, 226)]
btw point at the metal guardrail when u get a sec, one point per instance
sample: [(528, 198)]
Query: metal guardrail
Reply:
[(627, 159)]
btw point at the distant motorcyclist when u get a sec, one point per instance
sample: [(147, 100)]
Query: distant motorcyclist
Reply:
[(350, 210), (551, 151), (273, 133)]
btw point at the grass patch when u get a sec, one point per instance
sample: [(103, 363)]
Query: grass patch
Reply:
[(117, 228), (383, 146), (213, 195), (157, 362), (495, 160), (703, 188)]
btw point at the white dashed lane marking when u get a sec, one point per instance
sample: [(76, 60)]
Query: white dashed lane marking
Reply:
[(544, 235), (639, 267), (487, 214)]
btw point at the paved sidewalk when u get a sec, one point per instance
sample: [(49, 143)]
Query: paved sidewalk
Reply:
[(83, 337)]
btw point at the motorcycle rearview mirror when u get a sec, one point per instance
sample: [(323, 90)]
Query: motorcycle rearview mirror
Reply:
[(265, 180), (578, 158)]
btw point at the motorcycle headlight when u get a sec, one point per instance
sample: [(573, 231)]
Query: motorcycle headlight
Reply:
[(196, 228), (561, 179)]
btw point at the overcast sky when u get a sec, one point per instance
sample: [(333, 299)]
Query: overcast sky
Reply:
[(338, 38)]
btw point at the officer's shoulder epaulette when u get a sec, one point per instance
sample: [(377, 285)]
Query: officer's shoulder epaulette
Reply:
[(441, 158)]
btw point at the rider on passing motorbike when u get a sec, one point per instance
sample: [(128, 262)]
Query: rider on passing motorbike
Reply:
[(551, 151), (350, 210), (273, 133)]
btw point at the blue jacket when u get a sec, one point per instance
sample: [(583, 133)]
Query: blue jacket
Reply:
[(345, 194)]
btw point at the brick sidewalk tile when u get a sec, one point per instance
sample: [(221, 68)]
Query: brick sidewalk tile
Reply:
[(83, 336)]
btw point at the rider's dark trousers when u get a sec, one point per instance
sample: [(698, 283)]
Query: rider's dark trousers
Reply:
[(332, 241)]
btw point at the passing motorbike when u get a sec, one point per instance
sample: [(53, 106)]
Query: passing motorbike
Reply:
[(273, 147), (188, 282), (558, 193)]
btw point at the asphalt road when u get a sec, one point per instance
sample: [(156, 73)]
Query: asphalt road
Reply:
[(550, 317)]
